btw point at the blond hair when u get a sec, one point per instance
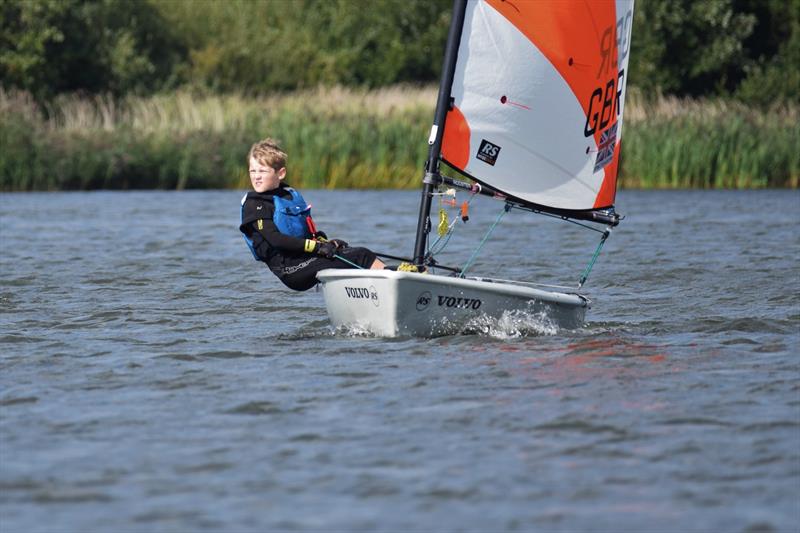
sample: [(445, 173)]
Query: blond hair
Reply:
[(267, 152)]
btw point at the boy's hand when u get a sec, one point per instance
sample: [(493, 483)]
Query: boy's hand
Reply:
[(339, 243), (326, 249)]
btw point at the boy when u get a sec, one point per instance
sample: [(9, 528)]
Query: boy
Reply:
[(288, 241)]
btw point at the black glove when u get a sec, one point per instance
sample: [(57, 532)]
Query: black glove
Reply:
[(326, 249), (339, 243), (320, 235)]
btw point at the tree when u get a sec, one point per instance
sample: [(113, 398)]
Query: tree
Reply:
[(53, 46), (773, 75), (689, 48), (268, 45)]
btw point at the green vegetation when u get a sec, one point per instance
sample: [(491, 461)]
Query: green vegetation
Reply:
[(50, 47), (335, 138), (354, 138), (681, 143), (171, 93), (745, 49)]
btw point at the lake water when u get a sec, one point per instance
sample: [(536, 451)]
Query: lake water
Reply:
[(153, 377)]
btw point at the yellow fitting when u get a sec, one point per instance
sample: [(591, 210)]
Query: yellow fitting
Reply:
[(443, 224), (407, 267)]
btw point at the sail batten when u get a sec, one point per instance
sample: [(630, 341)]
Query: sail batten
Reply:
[(538, 94)]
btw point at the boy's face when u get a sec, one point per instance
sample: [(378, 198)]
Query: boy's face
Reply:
[(265, 178)]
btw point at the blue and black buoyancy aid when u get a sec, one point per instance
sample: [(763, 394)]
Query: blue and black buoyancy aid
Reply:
[(291, 217)]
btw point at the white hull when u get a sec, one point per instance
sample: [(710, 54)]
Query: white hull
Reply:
[(388, 303)]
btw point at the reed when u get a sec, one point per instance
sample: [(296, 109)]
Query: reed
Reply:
[(350, 138), (680, 143)]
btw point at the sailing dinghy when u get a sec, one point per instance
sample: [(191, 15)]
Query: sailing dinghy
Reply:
[(529, 111)]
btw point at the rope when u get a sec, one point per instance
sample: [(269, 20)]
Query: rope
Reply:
[(505, 210), (340, 258), (432, 250), (588, 268), (395, 257)]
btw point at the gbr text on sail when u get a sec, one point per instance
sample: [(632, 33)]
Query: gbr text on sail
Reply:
[(604, 102)]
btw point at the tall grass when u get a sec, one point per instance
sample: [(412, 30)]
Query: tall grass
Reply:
[(335, 138), (682, 143), (353, 139)]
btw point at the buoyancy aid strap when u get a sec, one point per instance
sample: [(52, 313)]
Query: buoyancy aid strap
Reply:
[(311, 226)]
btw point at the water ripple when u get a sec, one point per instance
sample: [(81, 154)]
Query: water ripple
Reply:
[(180, 387)]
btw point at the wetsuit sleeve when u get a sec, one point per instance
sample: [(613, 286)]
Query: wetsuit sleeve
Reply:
[(276, 239)]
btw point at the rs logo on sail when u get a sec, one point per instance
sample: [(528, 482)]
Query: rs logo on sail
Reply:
[(459, 303), (488, 152)]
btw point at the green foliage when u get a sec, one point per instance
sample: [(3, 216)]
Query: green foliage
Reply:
[(50, 47), (775, 75), (679, 143), (353, 139), (268, 45), (748, 49), (179, 142), (688, 47)]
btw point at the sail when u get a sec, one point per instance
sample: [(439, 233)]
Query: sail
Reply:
[(537, 99)]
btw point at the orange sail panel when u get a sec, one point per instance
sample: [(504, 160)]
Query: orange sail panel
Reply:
[(538, 94), (455, 140)]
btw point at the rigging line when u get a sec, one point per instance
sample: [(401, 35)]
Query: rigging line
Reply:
[(506, 209), (434, 264), (440, 237), (588, 268), (340, 258), (407, 260), (446, 237), (395, 257), (450, 231)]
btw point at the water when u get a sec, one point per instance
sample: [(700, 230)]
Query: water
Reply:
[(155, 378)]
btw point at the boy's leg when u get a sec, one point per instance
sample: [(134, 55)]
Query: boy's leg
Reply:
[(301, 275), (360, 256)]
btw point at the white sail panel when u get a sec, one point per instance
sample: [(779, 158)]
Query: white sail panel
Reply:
[(518, 123)]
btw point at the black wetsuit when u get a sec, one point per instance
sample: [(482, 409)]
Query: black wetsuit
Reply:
[(284, 254)]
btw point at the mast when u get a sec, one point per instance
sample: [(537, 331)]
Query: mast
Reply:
[(432, 176)]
